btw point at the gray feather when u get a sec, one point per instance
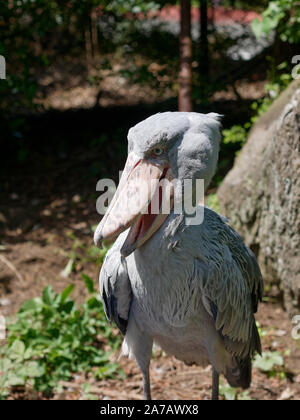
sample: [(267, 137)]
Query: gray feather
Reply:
[(115, 288)]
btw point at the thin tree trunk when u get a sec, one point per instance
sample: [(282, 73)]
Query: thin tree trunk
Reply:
[(185, 100), (212, 20), (95, 35), (204, 56), (88, 48)]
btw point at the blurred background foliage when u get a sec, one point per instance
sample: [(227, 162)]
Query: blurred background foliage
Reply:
[(34, 32), (35, 35)]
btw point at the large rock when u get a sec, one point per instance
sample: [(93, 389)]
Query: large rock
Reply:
[(261, 194)]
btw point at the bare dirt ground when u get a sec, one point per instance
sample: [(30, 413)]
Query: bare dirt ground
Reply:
[(62, 88)]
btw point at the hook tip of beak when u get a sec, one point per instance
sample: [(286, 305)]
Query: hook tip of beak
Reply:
[(98, 238)]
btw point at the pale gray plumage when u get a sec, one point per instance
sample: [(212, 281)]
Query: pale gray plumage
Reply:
[(192, 289)]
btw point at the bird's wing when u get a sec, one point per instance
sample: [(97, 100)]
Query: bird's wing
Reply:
[(231, 286), (115, 287)]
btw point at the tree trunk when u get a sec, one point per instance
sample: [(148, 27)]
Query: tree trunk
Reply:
[(212, 19), (88, 48), (95, 35), (204, 57), (185, 101)]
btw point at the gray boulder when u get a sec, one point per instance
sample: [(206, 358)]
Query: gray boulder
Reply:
[(261, 195)]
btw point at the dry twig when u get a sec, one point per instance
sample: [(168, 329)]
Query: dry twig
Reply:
[(12, 268)]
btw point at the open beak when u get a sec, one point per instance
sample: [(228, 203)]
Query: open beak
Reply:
[(142, 201)]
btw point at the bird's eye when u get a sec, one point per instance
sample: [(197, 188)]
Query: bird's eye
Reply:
[(158, 151)]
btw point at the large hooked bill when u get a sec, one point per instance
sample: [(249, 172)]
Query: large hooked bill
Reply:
[(143, 201)]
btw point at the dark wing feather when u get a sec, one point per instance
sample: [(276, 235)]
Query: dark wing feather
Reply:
[(115, 288)]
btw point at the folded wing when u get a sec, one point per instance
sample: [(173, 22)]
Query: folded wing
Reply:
[(231, 286), (115, 288)]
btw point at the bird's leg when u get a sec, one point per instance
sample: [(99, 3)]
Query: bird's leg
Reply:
[(143, 353), (146, 384), (215, 385), (143, 364), (140, 344)]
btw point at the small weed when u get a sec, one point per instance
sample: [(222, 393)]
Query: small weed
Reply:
[(87, 394), (270, 363), (81, 254), (230, 393)]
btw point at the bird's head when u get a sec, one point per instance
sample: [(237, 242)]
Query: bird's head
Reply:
[(163, 151)]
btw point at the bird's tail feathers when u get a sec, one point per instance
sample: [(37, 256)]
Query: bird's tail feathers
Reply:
[(240, 375)]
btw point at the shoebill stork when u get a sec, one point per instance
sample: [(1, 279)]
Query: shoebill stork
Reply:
[(190, 288)]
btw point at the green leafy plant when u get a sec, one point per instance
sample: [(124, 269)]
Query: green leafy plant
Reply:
[(87, 394), (230, 393), (80, 254), (280, 78), (269, 362), (213, 202), (282, 15), (235, 134), (50, 339)]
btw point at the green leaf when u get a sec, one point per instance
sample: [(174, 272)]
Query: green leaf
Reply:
[(257, 27), (89, 284), (5, 364), (93, 228), (268, 360), (34, 370), (17, 349), (244, 396), (68, 306), (32, 305), (228, 392), (212, 201), (268, 24), (48, 295), (14, 379), (66, 293)]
